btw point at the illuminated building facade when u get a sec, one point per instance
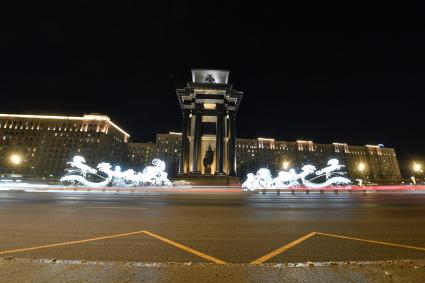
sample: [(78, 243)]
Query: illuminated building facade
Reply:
[(45, 143), (141, 155), (371, 162), (167, 147)]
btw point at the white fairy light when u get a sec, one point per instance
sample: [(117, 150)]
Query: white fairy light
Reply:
[(151, 176), (291, 179)]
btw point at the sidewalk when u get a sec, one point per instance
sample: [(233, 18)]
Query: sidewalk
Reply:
[(48, 270)]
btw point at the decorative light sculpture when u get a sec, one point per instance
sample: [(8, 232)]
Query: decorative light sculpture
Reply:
[(151, 176), (290, 179)]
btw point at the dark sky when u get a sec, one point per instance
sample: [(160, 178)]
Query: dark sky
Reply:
[(335, 72)]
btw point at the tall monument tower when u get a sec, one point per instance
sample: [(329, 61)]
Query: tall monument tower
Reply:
[(209, 105)]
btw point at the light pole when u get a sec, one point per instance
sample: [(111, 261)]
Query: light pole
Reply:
[(16, 160), (417, 169), (361, 167)]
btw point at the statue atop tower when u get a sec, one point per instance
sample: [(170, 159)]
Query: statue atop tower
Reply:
[(209, 79)]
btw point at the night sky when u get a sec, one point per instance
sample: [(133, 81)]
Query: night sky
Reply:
[(323, 73)]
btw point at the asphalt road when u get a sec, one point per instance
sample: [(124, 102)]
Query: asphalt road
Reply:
[(230, 227)]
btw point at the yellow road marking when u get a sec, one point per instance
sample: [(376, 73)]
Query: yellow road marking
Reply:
[(205, 256), (185, 248), (282, 249), (70, 243), (372, 241), (116, 207)]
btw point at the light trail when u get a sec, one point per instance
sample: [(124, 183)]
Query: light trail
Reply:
[(202, 189)]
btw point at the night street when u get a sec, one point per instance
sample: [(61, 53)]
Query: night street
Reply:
[(199, 141), (227, 227)]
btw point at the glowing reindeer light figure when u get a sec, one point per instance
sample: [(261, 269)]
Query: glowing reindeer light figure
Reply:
[(249, 183), (290, 179), (286, 179), (306, 170), (73, 178), (156, 175), (78, 163), (333, 165), (332, 178), (151, 175), (262, 180)]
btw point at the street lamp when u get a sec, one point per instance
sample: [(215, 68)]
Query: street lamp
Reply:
[(417, 169), (361, 167), (16, 160), (285, 164)]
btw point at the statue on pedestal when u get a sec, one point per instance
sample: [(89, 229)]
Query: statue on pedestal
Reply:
[(209, 79), (208, 160)]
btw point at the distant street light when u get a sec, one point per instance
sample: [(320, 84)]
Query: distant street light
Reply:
[(285, 164), (417, 170), (16, 160), (417, 167), (361, 167)]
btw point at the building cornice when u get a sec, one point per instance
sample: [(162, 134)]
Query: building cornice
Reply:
[(90, 117)]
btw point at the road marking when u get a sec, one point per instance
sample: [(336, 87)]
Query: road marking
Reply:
[(283, 249), (70, 243), (185, 248), (115, 207), (372, 241)]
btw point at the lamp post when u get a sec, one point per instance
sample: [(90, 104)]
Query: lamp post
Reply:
[(417, 170), (16, 160), (361, 167)]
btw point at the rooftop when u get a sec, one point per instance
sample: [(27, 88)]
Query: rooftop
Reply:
[(86, 117)]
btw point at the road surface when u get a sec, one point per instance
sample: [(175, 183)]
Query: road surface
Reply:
[(213, 227)]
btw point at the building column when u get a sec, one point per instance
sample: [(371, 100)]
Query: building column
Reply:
[(232, 144), (196, 139), (219, 140), (184, 156)]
